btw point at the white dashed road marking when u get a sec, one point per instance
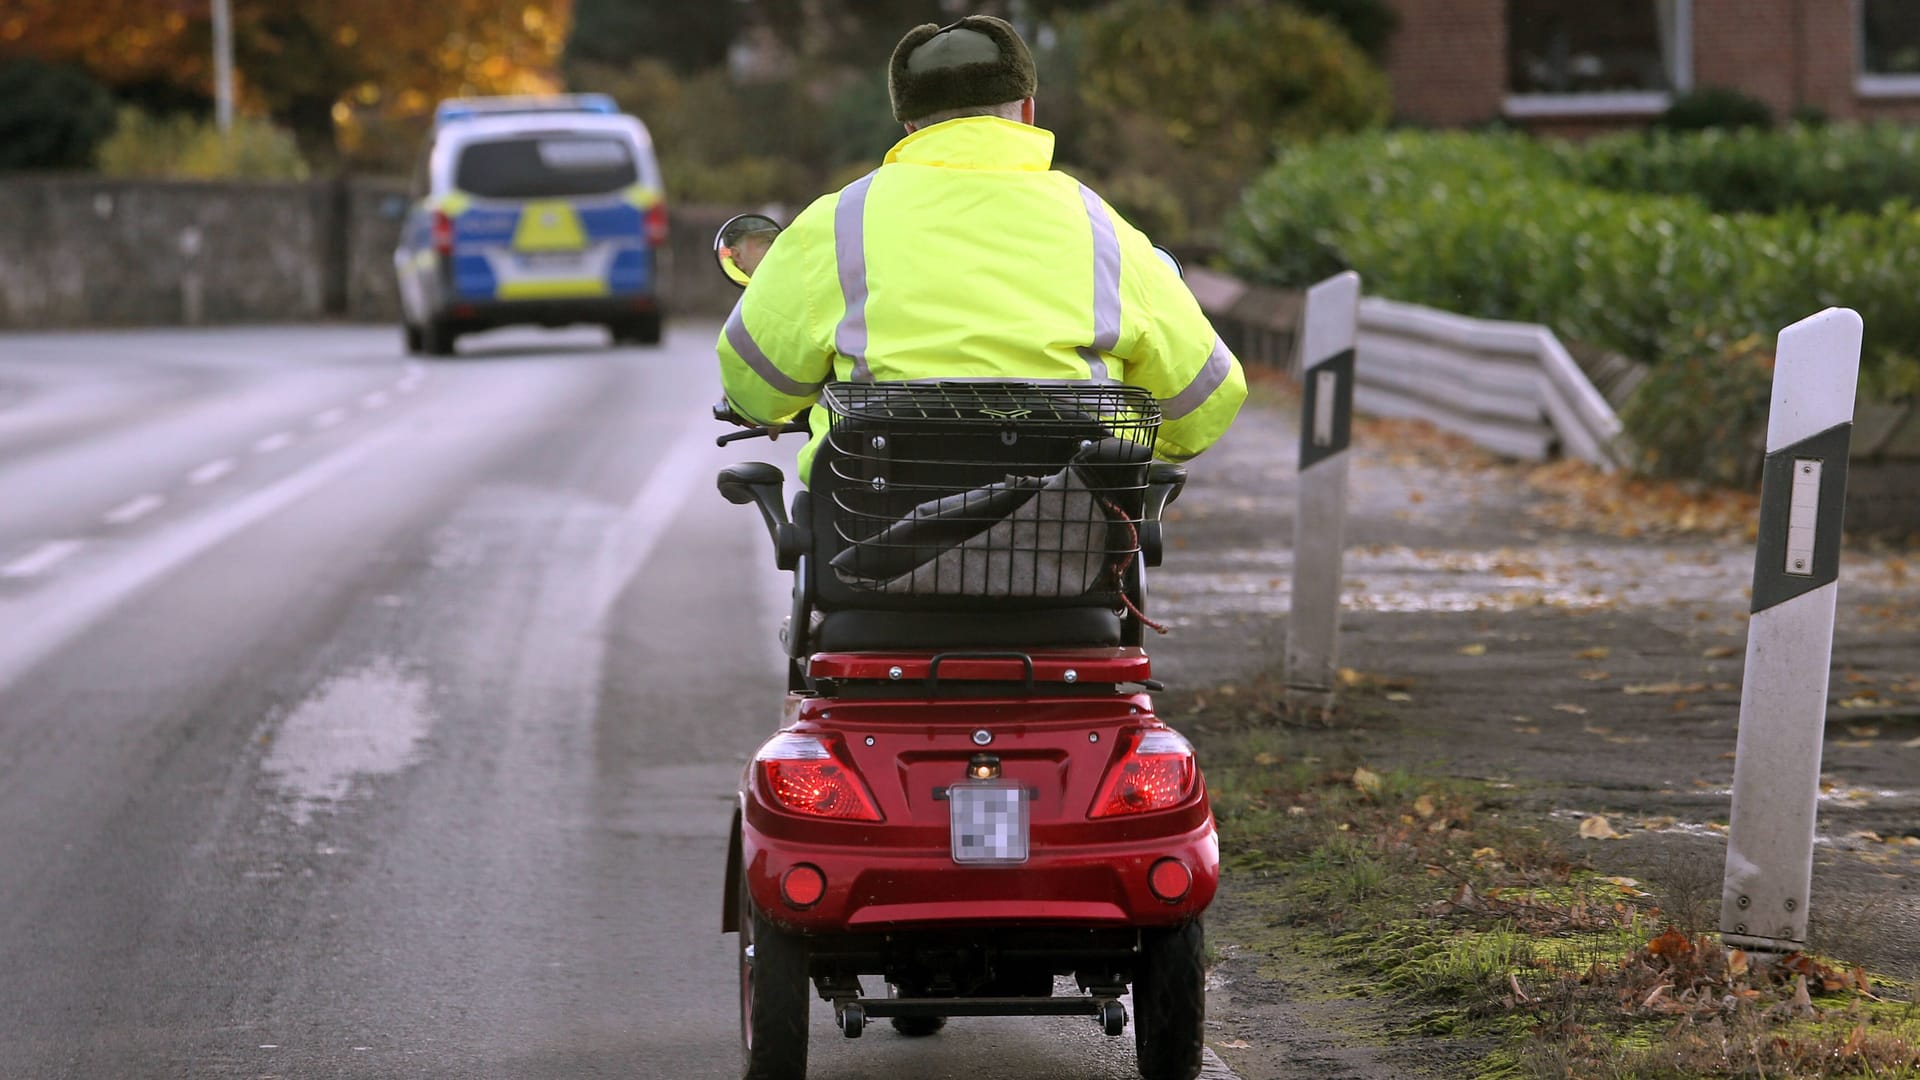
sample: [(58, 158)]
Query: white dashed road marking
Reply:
[(376, 400), (276, 441), (133, 510), (211, 471), (40, 559), (329, 418)]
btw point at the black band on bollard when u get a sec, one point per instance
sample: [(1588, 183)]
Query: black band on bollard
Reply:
[(1317, 446), (1773, 582)]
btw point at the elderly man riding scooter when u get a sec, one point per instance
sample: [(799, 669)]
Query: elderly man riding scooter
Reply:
[(966, 256), (970, 794)]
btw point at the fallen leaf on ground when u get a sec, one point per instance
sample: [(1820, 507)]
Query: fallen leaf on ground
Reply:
[(1663, 688), (1423, 806), (1478, 648), (1864, 700), (1672, 944), (1596, 676), (1576, 710), (1366, 780), (1399, 695), (1529, 729), (1720, 652), (1597, 828), (1628, 885), (1863, 731), (1264, 758), (1910, 744), (1736, 962), (1235, 1044), (1598, 652)]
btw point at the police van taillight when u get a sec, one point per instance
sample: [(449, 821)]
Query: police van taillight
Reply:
[(442, 233), (657, 225)]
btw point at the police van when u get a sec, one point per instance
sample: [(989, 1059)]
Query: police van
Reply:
[(544, 210)]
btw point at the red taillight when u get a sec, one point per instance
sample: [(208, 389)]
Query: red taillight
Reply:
[(1157, 773), (1169, 879), (442, 233), (803, 886), (657, 225), (800, 773)]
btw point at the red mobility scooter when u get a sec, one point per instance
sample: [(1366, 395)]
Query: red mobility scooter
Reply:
[(970, 793)]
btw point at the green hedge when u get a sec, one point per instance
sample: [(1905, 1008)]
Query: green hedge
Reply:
[(1498, 226), (1815, 168)]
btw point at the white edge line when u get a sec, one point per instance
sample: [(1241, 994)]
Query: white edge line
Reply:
[(329, 418), (40, 559), (133, 509), (376, 400), (279, 440), (40, 626)]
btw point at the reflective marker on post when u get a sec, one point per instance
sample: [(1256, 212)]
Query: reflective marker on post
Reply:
[(1796, 573), (1329, 327)]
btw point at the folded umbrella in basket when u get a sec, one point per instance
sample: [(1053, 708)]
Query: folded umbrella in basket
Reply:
[(1023, 537)]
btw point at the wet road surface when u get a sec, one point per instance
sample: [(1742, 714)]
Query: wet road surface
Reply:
[(369, 718)]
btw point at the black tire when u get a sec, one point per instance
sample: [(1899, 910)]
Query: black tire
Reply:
[(412, 335), (918, 1027), (1170, 1003), (437, 338), (773, 998), (640, 330), (915, 1027)]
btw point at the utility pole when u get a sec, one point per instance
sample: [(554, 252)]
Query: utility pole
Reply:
[(223, 65)]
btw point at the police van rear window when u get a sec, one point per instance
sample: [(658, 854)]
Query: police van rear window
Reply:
[(545, 166)]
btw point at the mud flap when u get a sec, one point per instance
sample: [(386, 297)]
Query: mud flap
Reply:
[(730, 898)]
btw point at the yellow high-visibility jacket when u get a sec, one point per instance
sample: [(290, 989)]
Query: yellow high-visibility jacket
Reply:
[(965, 256)]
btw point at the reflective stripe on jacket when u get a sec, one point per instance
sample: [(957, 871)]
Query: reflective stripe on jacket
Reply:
[(965, 256)]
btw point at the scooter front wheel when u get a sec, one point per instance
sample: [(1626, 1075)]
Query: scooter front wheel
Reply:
[(1170, 1003), (773, 998)]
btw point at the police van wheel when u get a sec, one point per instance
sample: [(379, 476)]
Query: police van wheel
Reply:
[(436, 338), (644, 330), (412, 333)]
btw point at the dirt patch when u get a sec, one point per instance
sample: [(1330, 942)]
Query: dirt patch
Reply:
[(1571, 642)]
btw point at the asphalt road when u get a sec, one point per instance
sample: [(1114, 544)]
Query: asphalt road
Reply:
[(361, 717)]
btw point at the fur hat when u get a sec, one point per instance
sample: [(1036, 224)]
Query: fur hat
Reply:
[(975, 62)]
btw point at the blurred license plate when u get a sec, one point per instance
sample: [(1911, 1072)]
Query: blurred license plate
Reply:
[(989, 822), (551, 260)]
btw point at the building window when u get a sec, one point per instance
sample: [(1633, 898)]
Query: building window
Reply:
[(1578, 56), (1889, 48)]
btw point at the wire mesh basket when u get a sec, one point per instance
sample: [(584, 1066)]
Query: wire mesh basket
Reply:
[(1004, 490)]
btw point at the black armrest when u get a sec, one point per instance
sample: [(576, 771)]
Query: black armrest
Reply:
[(762, 485), (1164, 482)]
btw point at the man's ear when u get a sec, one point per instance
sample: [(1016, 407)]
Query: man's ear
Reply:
[(911, 127), (1026, 112)]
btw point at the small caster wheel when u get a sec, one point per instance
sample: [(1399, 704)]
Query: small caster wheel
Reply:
[(1113, 1018), (853, 1020)]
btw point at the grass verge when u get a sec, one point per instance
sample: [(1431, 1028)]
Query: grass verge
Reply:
[(1477, 924)]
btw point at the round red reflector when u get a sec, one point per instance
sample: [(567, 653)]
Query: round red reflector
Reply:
[(803, 886), (1169, 879)]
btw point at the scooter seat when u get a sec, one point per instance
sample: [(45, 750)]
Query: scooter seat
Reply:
[(855, 631)]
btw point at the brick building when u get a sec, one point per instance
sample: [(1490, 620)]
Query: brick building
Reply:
[(1581, 65)]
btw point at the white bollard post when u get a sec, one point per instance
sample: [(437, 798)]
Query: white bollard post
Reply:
[(1796, 573), (1329, 326)]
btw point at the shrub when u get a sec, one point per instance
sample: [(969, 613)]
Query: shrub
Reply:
[(1835, 167), (1715, 107), (1195, 99), (184, 147), (1493, 225), (50, 117)]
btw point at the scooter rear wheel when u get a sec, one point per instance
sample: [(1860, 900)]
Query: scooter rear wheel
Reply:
[(1170, 1003), (773, 998)]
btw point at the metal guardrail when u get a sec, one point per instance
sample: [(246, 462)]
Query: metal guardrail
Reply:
[(1510, 387)]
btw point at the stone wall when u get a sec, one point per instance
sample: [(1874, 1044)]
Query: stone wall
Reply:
[(82, 251)]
